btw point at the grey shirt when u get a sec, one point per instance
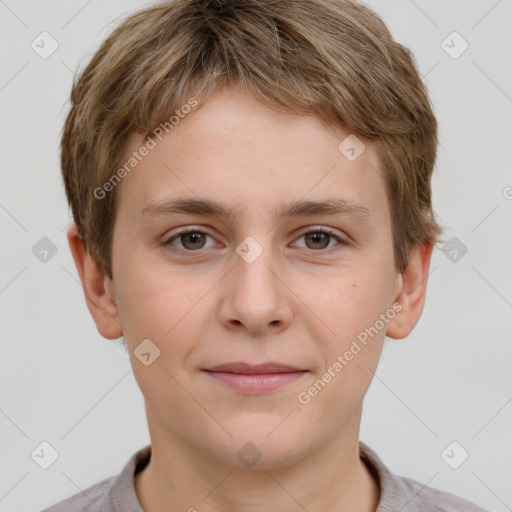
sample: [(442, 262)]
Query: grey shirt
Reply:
[(117, 493)]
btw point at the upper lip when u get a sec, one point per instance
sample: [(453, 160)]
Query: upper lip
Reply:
[(246, 368)]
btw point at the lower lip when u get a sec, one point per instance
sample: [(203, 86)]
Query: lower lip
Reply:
[(257, 383)]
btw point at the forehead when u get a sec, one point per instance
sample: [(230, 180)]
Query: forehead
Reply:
[(237, 151)]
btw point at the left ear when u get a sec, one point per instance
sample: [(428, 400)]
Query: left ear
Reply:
[(412, 289)]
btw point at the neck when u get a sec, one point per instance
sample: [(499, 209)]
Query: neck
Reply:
[(179, 478)]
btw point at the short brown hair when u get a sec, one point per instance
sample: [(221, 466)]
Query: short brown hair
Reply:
[(334, 59)]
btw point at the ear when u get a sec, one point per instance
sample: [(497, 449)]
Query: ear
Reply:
[(98, 288), (411, 292)]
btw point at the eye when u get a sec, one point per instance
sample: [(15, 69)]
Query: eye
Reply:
[(319, 238), (191, 240)]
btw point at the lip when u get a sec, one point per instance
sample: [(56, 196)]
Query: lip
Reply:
[(254, 369), (255, 379)]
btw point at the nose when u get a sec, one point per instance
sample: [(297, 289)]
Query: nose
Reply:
[(254, 295)]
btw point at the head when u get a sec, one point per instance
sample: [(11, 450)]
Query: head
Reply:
[(256, 105)]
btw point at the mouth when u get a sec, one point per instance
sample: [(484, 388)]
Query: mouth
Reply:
[(255, 379)]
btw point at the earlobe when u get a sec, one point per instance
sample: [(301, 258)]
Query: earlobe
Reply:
[(99, 294), (412, 292)]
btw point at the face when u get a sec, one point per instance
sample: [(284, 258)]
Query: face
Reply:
[(254, 284)]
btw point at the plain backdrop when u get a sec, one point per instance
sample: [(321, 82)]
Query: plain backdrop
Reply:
[(450, 380)]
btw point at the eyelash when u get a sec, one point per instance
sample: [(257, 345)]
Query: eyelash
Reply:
[(175, 236)]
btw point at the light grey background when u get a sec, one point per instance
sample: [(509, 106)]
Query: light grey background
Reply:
[(61, 382)]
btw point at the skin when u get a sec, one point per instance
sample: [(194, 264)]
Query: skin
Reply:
[(301, 302)]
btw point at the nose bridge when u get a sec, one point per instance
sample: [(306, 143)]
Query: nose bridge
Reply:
[(255, 295), (254, 266)]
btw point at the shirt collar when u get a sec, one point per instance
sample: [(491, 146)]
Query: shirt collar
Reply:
[(394, 495)]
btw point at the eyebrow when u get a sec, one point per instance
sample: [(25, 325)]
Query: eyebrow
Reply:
[(207, 207)]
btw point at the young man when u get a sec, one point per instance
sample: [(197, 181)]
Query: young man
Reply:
[(250, 185)]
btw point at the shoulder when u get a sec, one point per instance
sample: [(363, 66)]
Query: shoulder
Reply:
[(85, 501), (429, 499), (408, 495), (113, 494)]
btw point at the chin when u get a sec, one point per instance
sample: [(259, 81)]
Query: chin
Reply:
[(263, 448)]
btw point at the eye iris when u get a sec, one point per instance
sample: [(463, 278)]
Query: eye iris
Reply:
[(193, 238), (318, 237)]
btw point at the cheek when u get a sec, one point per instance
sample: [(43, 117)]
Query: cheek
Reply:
[(153, 309), (351, 352), (349, 305), (170, 311), (352, 312), (149, 296)]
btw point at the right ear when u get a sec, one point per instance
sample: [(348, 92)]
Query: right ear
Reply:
[(98, 288)]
